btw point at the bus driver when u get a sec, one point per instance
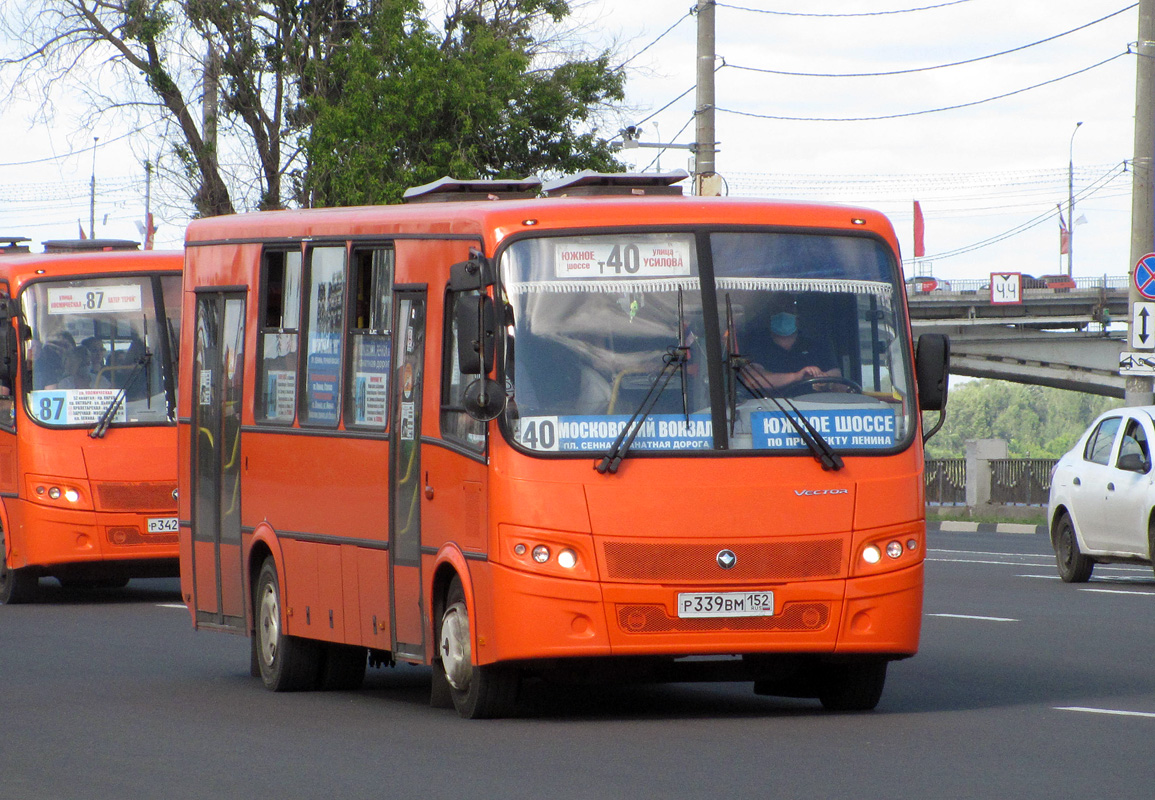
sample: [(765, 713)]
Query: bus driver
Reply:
[(781, 356)]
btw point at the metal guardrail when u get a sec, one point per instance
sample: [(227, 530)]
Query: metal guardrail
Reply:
[(1014, 481), (946, 483), (981, 285)]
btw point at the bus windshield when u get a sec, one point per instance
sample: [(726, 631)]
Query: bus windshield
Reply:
[(98, 348), (807, 331)]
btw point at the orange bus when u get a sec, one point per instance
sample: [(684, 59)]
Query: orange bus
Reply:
[(530, 437), (87, 418)]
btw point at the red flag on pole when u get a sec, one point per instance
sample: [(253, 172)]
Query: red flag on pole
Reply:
[(1064, 235), (919, 245)]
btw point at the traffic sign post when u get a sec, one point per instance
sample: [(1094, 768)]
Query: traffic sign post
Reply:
[(1143, 326), (1144, 276), (1006, 288)]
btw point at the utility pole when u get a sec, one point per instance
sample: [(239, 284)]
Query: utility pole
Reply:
[(148, 228), (92, 193), (1071, 205), (706, 180), (1138, 389)]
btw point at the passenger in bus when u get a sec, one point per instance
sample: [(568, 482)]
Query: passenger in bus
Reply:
[(47, 359), (780, 355)]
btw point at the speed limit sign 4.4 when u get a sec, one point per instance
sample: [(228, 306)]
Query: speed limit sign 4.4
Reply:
[(1006, 287)]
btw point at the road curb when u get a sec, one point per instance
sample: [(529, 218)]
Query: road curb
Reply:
[(951, 526)]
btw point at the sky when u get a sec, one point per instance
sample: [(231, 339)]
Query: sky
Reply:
[(985, 147)]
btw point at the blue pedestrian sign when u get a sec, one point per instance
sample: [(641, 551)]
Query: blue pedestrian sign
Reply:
[(1144, 276)]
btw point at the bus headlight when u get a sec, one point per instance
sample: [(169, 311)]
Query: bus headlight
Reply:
[(541, 554), (871, 554), (567, 558)]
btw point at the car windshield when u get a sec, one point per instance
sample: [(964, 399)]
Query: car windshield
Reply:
[(807, 331), (94, 349)]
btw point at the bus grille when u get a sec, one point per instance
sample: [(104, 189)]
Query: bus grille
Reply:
[(136, 496), (792, 560), (646, 618)]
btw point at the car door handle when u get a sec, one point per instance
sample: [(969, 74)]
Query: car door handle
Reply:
[(1110, 487), (1077, 482)]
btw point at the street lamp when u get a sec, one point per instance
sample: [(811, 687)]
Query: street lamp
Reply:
[(1071, 204)]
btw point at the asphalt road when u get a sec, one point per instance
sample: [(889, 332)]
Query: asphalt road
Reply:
[(1024, 688)]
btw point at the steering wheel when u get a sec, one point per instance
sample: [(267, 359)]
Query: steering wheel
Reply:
[(808, 384)]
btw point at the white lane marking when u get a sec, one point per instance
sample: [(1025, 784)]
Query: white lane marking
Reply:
[(1112, 591), (181, 606), (977, 561), (971, 616), (1112, 711)]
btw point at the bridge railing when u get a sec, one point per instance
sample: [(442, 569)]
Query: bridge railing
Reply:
[(1014, 481), (982, 285)]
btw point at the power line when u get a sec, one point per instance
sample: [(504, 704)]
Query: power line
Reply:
[(858, 14), (680, 20), (788, 73), (925, 111)]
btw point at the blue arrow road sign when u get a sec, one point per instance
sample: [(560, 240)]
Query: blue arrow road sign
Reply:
[(1145, 276)]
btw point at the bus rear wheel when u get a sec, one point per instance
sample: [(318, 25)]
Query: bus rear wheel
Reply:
[(853, 687), (286, 663), (16, 585), (478, 692)]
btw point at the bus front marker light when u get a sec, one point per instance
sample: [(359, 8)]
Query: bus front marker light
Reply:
[(519, 549), (541, 554), (871, 554), (567, 559), (894, 549), (912, 544), (40, 490), (54, 493)]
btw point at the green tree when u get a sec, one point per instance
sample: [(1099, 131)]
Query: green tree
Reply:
[(1036, 421), (406, 106)]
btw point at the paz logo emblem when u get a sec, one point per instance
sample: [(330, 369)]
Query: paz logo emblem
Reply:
[(726, 559)]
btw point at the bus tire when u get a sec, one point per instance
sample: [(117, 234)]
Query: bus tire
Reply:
[(1074, 567), (16, 585), (343, 667), (287, 663), (853, 687), (478, 692)]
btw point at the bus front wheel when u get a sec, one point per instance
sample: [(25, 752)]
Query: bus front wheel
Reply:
[(853, 687), (16, 585), (478, 692), (286, 663)]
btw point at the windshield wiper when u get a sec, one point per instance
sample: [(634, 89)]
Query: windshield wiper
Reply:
[(674, 359), (110, 412), (820, 448)]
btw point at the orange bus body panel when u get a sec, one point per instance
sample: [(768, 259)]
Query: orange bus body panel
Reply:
[(325, 494), (122, 479)]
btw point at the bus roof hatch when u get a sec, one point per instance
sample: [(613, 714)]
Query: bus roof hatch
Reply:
[(591, 184), (448, 190)]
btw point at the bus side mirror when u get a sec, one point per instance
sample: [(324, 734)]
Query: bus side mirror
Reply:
[(476, 335), (470, 276), (932, 368)]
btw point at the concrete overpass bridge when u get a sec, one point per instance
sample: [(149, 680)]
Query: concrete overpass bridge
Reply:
[(1068, 338)]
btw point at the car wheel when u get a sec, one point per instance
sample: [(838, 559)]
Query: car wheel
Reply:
[(1074, 567), (478, 692), (286, 663), (853, 687), (16, 585)]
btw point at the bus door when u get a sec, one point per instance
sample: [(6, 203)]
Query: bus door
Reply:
[(405, 474), (218, 368)]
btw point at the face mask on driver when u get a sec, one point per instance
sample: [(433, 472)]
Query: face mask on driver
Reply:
[(784, 324)]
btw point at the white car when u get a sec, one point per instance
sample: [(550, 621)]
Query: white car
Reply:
[(1102, 501)]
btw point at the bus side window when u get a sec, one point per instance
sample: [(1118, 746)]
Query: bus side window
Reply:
[(280, 326), (324, 336), (370, 340), (8, 362), (456, 424)]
